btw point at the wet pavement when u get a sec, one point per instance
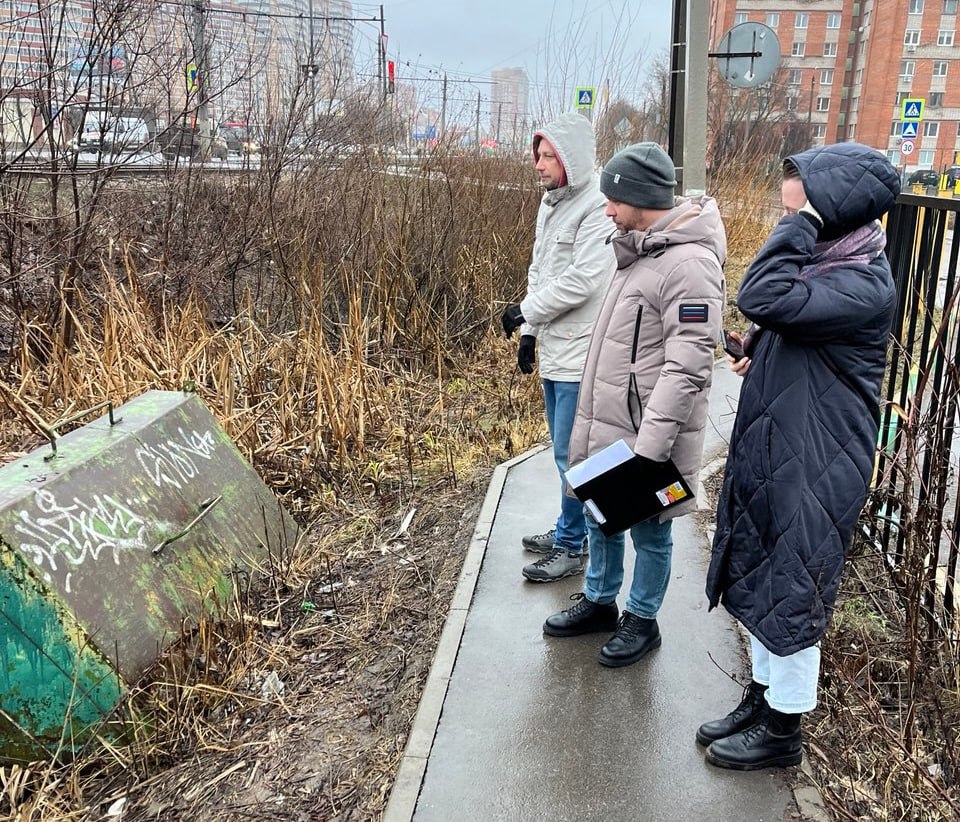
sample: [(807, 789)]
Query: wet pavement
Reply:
[(534, 728)]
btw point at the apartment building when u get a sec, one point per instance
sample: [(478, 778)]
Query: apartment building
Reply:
[(256, 51), (849, 66), (509, 104), (32, 35)]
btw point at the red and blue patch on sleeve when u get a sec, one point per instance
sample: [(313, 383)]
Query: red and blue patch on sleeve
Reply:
[(693, 312)]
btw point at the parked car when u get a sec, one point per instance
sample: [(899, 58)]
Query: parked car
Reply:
[(953, 176), (924, 177), (238, 140), (180, 141)]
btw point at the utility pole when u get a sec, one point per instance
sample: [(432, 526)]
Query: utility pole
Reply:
[(203, 130), (312, 69), (381, 69), (380, 59), (499, 118), (678, 87), (695, 135), (687, 124), (476, 130), (443, 109), (688, 95)]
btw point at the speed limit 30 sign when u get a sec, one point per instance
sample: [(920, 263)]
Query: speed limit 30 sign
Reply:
[(906, 147)]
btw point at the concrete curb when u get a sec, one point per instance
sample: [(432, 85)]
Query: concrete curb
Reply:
[(715, 466), (413, 765)]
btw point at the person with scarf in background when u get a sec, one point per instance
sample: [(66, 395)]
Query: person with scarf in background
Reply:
[(821, 299)]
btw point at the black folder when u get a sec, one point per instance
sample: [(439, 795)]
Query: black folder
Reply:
[(620, 488)]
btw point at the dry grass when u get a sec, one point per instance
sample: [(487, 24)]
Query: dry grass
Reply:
[(884, 738), (749, 202), (349, 621), (350, 353)]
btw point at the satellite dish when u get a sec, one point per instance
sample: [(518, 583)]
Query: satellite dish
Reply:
[(748, 55)]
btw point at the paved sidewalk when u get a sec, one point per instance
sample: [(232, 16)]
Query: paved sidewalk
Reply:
[(516, 726)]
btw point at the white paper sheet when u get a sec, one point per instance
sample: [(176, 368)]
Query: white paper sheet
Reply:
[(599, 463)]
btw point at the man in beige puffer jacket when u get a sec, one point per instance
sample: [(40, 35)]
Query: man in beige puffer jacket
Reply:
[(647, 380), (571, 267)]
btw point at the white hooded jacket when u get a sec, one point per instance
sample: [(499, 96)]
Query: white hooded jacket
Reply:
[(572, 262)]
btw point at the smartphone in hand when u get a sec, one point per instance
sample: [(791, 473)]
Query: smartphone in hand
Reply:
[(733, 346)]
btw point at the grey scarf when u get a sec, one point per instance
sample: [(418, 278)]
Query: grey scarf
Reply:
[(859, 246)]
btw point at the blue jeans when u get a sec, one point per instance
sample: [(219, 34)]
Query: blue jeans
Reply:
[(560, 401), (792, 678), (653, 542)]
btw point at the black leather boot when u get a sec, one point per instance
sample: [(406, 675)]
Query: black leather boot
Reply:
[(775, 741), (634, 637), (585, 617), (739, 719)]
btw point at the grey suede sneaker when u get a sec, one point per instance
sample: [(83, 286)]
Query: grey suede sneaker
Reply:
[(540, 543), (558, 565), (543, 543)]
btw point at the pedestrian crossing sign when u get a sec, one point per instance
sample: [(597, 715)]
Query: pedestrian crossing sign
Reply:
[(912, 109), (585, 97), (908, 129)]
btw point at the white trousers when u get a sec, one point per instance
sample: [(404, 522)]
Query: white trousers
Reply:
[(792, 679)]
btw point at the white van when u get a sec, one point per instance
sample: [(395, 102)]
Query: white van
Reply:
[(129, 134), (103, 131)]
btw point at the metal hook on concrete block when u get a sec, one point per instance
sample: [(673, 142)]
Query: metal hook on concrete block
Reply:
[(51, 432), (205, 507)]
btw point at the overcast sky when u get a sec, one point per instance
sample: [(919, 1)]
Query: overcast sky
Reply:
[(562, 44)]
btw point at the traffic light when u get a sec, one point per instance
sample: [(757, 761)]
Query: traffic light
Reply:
[(391, 77)]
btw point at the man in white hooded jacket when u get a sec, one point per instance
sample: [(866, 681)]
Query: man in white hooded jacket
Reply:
[(571, 268)]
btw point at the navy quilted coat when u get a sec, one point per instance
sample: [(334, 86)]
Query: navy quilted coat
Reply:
[(802, 449)]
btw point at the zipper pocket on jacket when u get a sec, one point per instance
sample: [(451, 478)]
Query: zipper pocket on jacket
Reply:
[(636, 335), (766, 462), (633, 393)]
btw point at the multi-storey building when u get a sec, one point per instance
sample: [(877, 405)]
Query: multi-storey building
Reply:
[(849, 65), (509, 101), (334, 44), (263, 49), (255, 52)]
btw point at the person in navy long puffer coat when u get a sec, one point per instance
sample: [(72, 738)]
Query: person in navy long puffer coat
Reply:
[(821, 299)]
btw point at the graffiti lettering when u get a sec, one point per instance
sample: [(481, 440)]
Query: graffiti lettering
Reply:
[(172, 462), (74, 533)]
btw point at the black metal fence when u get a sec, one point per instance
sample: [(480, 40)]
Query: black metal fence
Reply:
[(914, 514)]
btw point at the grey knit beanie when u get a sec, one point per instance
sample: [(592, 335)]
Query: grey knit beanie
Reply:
[(640, 175)]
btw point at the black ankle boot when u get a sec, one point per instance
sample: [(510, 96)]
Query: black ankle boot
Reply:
[(775, 741), (739, 719), (585, 617), (634, 637)]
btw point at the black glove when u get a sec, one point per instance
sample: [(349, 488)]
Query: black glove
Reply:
[(512, 319), (526, 353)]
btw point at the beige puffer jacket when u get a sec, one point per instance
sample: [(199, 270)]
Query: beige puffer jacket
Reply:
[(650, 364), (572, 262)]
